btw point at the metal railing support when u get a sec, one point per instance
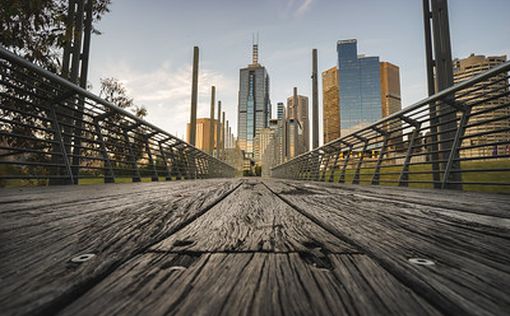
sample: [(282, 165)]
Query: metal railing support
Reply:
[(155, 176), (333, 168), (168, 176), (356, 178), (404, 173), (377, 173), (109, 175), (60, 139), (341, 179), (454, 152), (134, 166)]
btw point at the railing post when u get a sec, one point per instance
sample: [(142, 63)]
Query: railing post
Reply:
[(155, 176), (356, 178), (344, 167), (58, 134), (333, 168), (165, 162), (323, 175), (454, 152), (317, 169), (134, 166), (110, 177), (377, 173), (404, 174)]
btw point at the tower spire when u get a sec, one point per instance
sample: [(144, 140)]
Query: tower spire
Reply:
[(255, 50)]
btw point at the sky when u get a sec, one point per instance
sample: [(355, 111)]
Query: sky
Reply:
[(148, 46)]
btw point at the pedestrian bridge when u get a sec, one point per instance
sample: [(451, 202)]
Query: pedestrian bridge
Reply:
[(388, 220)]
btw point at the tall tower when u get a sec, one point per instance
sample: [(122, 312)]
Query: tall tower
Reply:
[(330, 105), (194, 97), (315, 102), (297, 108), (254, 108)]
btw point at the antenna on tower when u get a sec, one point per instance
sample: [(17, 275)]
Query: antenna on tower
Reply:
[(255, 51)]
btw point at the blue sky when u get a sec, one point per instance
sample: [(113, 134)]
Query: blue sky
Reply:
[(148, 45)]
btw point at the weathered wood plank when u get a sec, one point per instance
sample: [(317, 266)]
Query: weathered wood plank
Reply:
[(114, 222), (471, 274), (249, 284), (253, 219)]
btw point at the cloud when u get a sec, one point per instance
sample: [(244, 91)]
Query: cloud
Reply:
[(305, 6), (166, 92), (296, 8)]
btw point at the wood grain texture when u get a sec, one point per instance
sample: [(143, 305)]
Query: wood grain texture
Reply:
[(43, 231), (472, 271), (249, 284), (253, 219)]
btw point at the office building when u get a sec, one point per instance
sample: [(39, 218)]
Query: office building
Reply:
[(331, 103), (466, 68), (203, 130), (359, 83), (254, 108), (297, 109)]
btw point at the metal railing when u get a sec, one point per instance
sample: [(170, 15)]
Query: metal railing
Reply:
[(456, 139), (54, 132)]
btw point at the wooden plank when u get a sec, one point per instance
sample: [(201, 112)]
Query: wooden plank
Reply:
[(249, 284), (471, 274), (114, 222), (495, 205), (253, 219)]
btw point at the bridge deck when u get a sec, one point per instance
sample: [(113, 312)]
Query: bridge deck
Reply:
[(249, 246)]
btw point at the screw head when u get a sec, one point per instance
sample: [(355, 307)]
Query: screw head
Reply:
[(422, 261), (83, 257)]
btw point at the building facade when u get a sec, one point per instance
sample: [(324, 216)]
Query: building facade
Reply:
[(254, 107), (359, 87), (203, 133), (294, 138), (297, 109), (487, 122), (331, 103)]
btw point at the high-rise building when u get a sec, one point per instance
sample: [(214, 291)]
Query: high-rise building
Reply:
[(203, 132), (390, 89), (484, 125), (331, 103), (281, 112), (297, 109), (359, 83), (254, 108)]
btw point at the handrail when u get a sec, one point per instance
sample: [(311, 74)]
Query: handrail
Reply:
[(402, 134), (85, 123)]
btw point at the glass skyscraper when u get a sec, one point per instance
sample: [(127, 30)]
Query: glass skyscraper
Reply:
[(254, 109), (359, 87)]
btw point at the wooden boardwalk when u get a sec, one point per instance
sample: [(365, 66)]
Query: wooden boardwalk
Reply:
[(253, 247)]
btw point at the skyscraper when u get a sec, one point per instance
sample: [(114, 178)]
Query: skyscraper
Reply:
[(484, 125), (297, 109), (390, 89), (359, 83), (331, 103), (254, 108)]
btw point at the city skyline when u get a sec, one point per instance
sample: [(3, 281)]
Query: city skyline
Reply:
[(159, 78)]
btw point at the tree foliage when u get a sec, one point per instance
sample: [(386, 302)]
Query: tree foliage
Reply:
[(35, 29)]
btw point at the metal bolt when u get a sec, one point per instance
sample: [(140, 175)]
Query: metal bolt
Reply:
[(177, 268), (422, 261), (82, 258)]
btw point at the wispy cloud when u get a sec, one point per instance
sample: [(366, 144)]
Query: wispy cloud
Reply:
[(297, 8), (303, 7)]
